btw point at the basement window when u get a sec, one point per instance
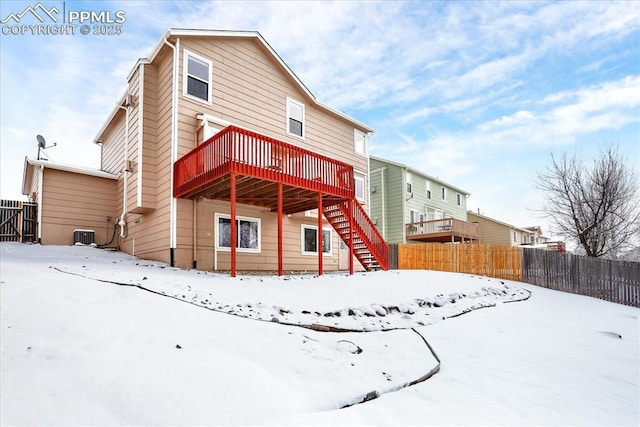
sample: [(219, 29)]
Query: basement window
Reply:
[(310, 240), (247, 233), (197, 77)]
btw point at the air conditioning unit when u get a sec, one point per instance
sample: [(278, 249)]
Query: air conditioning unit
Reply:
[(84, 237)]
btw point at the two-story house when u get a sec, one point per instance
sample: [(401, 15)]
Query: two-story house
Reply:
[(218, 157), (408, 205), (495, 232)]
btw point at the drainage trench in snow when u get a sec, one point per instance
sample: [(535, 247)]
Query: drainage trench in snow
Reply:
[(320, 328)]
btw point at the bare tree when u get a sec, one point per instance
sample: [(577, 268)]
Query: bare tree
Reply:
[(599, 206)]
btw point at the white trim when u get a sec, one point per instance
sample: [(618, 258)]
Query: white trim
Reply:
[(74, 169), (173, 232), (292, 101), (218, 216), (185, 75), (140, 134), (315, 228), (364, 177), (365, 141)]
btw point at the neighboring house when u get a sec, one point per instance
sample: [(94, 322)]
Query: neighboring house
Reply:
[(496, 232), (219, 158), (410, 206)]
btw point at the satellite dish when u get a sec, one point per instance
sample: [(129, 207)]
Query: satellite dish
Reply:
[(41, 141)]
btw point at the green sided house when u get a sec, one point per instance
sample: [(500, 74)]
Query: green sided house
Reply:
[(408, 206), (218, 157)]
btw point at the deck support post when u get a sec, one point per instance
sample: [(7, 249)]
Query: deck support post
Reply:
[(234, 231), (350, 219), (280, 229), (320, 234)]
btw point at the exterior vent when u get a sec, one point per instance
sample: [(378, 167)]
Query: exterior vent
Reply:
[(84, 237)]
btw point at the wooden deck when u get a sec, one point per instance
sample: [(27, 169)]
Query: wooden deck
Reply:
[(443, 231)]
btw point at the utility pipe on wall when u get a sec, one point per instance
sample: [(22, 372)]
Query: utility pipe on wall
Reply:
[(122, 222)]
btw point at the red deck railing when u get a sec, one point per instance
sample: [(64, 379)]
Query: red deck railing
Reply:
[(235, 150)]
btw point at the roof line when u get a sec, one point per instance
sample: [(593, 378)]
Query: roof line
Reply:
[(416, 171), (69, 168), (228, 33)]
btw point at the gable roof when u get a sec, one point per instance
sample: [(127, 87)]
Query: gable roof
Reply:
[(422, 174), (192, 32)]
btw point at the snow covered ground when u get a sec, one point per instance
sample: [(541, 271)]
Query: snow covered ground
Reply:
[(90, 337)]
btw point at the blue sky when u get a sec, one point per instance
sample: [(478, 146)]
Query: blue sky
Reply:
[(476, 93)]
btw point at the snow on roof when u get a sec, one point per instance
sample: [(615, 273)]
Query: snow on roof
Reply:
[(62, 167)]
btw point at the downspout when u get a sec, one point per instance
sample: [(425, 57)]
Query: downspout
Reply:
[(174, 148), (122, 222), (403, 190), (40, 191)]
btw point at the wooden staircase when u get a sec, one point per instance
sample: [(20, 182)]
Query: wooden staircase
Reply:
[(368, 245)]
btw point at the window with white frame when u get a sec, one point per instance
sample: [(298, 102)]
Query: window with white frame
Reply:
[(416, 216), (359, 142), (428, 190), (359, 180), (459, 199), (443, 193), (515, 236), (310, 240), (409, 186), (197, 77), (247, 233), (295, 118)]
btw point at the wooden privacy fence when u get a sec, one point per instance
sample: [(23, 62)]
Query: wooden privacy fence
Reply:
[(503, 262), (18, 221), (615, 281), (611, 280)]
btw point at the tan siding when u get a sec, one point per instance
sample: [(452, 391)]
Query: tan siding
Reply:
[(491, 232), (113, 145), (250, 90), (74, 201), (267, 259)]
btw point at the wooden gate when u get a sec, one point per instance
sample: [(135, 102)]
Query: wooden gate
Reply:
[(18, 221)]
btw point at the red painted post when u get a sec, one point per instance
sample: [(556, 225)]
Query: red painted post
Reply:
[(319, 235), (234, 230), (280, 229), (350, 219)]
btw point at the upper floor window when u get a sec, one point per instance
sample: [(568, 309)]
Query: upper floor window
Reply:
[(444, 193), (515, 236), (197, 77), (459, 199), (359, 142), (409, 186), (359, 179), (295, 118), (428, 190)]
